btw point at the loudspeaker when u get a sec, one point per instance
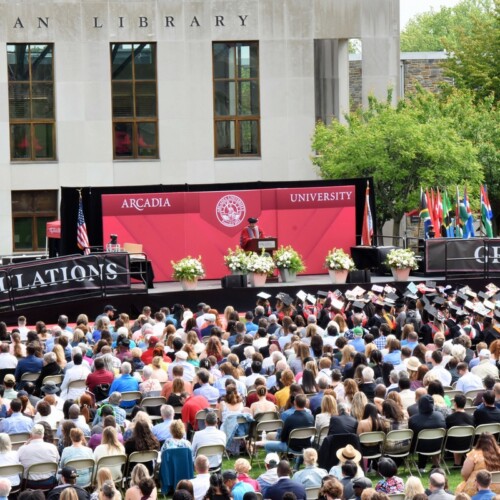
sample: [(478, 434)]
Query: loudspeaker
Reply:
[(363, 276), (234, 281)]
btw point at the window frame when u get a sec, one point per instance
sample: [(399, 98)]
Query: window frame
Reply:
[(237, 118), (134, 120), (32, 122), (34, 215)]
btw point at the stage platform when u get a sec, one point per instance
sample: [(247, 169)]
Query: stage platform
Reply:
[(209, 291)]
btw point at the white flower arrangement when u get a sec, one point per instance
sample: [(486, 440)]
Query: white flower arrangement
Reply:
[(401, 258), (188, 269), (237, 259), (338, 260), (260, 263), (288, 258)]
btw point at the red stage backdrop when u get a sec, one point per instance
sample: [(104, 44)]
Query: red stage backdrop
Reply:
[(171, 226)]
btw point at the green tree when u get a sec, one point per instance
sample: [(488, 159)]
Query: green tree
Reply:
[(434, 30), (402, 148), (475, 55)]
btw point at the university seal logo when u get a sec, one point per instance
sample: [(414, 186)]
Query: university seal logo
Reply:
[(230, 210)]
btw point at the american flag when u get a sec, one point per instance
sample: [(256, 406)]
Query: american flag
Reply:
[(367, 230), (82, 238)]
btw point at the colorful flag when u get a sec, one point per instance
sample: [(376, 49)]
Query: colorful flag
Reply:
[(430, 206), (439, 212), (82, 238), (447, 216), (424, 212), (367, 231), (486, 213), (458, 223), (466, 216)]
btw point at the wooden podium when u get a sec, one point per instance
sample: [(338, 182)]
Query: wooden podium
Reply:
[(269, 245)]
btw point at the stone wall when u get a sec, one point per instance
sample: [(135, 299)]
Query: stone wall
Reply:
[(422, 68)]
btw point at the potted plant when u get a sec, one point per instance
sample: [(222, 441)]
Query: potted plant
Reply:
[(237, 260), (289, 262), (187, 271), (338, 264), (401, 261), (259, 267)]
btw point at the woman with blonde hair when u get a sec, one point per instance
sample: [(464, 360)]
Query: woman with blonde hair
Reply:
[(311, 330), (108, 491), (110, 446), (192, 358), (348, 352), (350, 390), (328, 410), (407, 329), (413, 487), (103, 475), (242, 467), (193, 340), (178, 440), (159, 372), (359, 401), (68, 494), (139, 472), (60, 357)]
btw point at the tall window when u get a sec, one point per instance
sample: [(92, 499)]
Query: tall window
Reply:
[(236, 99), (135, 117), (31, 101), (31, 210)]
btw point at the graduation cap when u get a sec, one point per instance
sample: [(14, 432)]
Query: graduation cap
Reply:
[(286, 299), (430, 284), (377, 289), (469, 305), (496, 314), (439, 301), (337, 304), (412, 288), (392, 296), (489, 305), (358, 291), (481, 310), (322, 294), (301, 295), (483, 296), (426, 301), (311, 298), (461, 298), (264, 295), (431, 311), (358, 305), (471, 293), (410, 295)]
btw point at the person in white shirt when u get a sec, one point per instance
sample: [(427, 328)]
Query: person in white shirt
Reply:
[(181, 359), (468, 381), (7, 360), (208, 436), (407, 396), (201, 482), (443, 375), (23, 329), (37, 451), (77, 372), (485, 366)]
